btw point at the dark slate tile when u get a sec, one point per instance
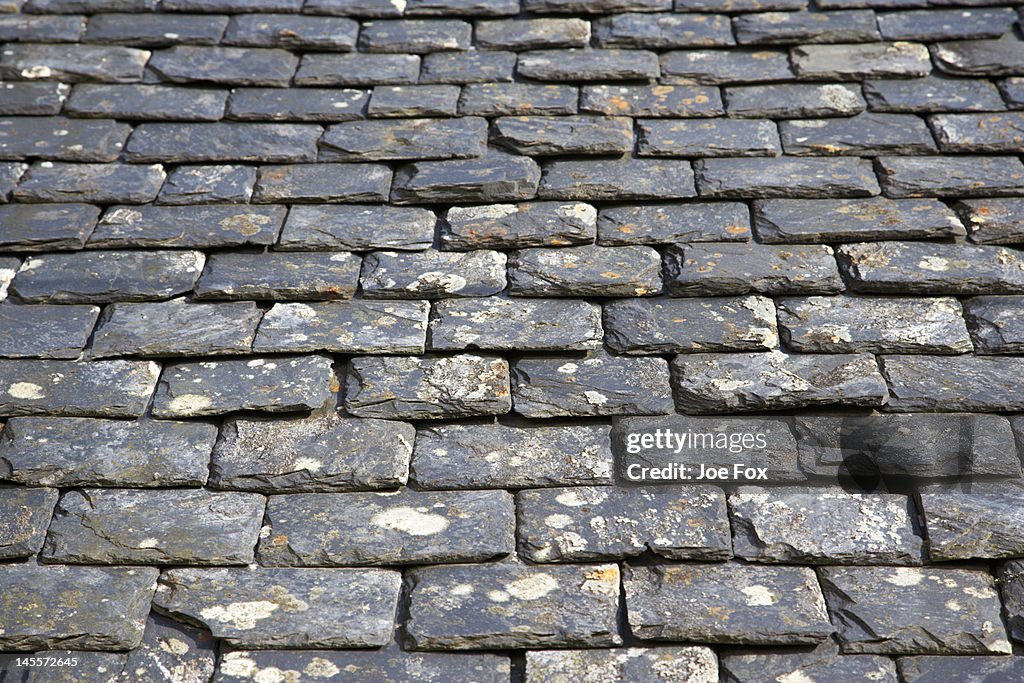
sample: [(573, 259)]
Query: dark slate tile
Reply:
[(392, 101), (388, 664), (469, 8), (27, 28), (707, 138), (964, 176), (155, 30), (750, 382), (227, 65), (793, 100), (951, 24), (517, 99), (64, 388), (25, 137), (692, 663), (514, 325), (187, 226), (168, 645), (824, 663), (231, 6), (532, 34), (32, 99), (89, 6), (191, 142), (432, 274), (866, 134), (357, 69), (359, 326), (740, 5), (357, 228), (146, 102), (983, 521), (951, 383), (468, 67), (876, 4), (976, 668), (672, 223), (663, 31), (10, 173), (588, 65), (292, 31), (786, 177), (296, 104), (175, 328), (46, 227), (224, 184), (45, 331), (72, 451), (279, 276), (595, 6), (405, 140), (996, 323), (585, 271), (304, 183), (459, 456), (978, 57), (24, 516), (73, 63), (427, 387), (778, 28), (843, 220), (993, 221), (652, 100), (617, 180), (416, 36), (986, 133), (1012, 90), (932, 94), (493, 177), (75, 617), (700, 269), (353, 8), (860, 61), (1012, 588), (515, 226), (711, 67), (561, 135)]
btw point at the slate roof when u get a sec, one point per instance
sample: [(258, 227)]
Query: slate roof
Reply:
[(324, 324)]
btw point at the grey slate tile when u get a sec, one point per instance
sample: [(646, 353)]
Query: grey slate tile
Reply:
[(89, 6), (710, 269), (432, 274), (357, 326), (853, 62), (672, 223), (224, 184), (45, 331), (26, 28), (532, 34), (951, 24), (59, 138), (585, 271), (517, 99), (297, 104), (615, 180), (822, 663), (227, 65), (10, 173), (154, 30), (553, 136), (663, 31), (595, 6), (469, 8), (973, 668), (24, 516), (707, 138), (32, 99), (651, 100), (279, 276), (1003, 57), (354, 8), (993, 221), (146, 102), (866, 134), (793, 100), (982, 521), (996, 323), (73, 63), (786, 177), (231, 6), (713, 67), (46, 227), (396, 101), (1012, 590), (496, 176), (512, 226), (972, 133), (467, 67), (323, 183), (693, 663), (293, 31), (611, 64), (405, 140), (168, 645), (357, 69), (357, 228), (1012, 90), (191, 142), (64, 388), (784, 28), (740, 5), (951, 383), (187, 226), (932, 94), (415, 36), (513, 324), (961, 176)]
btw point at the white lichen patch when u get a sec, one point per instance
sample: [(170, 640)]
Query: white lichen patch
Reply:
[(27, 391), (905, 576), (190, 403), (174, 646), (241, 615), (759, 596), (532, 587), (308, 464), (558, 521), (319, 667), (409, 520)]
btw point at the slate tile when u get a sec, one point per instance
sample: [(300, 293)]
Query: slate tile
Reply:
[(416, 36), (1009, 576), (75, 617), (227, 65), (947, 611), (823, 663), (866, 134), (619, 179), (766, 605), (963, 176), (187, 226), (841, 220), (593, 523), (699, 269), (103, 663), (10, 173), (672, 223), (297, 104), (1012, 90), (663, 31), (610, 64), (427, 387), (354, 8), (46, 227), (231, 6), (460, 456), (517, 99), (89, 6), (707, 138), (783, 28), (279, 276), (28, 28), (285, 607), (996, 324), (597, 384), (8, 269), (979, 132), (191, 142), (24, 137), (651, 100), (982, 521), (552, 136), (932, 94), (391, 101), (595, 6), (532, 34), (712, 67), (405, 140), (585, 271), (1003, 57), (357, 228), (45, 331), (224, 184), (494, 177), (357, 326), (24, 515), (512, 226), (178, 527), (146, 102), (819, 526), (323, 183), (168, 645), (324, 452), (468, 67), (280, 384), (113, 388), (513, 605), (993, 221), (860, 61), (786, 177), (154, 30), (793, 100), (357, 69), (292, 31), (407, 527), (773, 380), (72, 451), (648, 326), (693, 663), (432, 274), (975, 668), (513, 324), (951, 24), (740, 5), (950, 383), (470, 8), (73, 63), (876, 4), (32, 99)]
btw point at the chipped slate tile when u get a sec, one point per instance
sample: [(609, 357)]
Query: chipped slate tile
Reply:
[(1004, 57), (549, 136), (467, 67), (663, 31), (993, 221), (357, 228), (610, 64), (517, 99), (330, 34), (296, 104), (861, 61), (652, 100), (394, 101), (585, 271), (320, 183), (49, 181), (974, 668), (514, 325), (357, 69), (357, 326), (432, 274), (24, 137), (416, 36), (964, 176), (700, 269), (951, 24), (191, 142), (707, 138), (932, 94), (866, 134), (950, 383), (515, 226), (225, 184), (41, 227), (672, 223), (996, 323), (72, 63), (824, 663), (983, 521), (187, 226), (782, 28), (695, 664), (493, 177), (279, 276), (226, 65), (405, 140), (618, 179), (532, 34), (24, 516), (786, 177), (154, 30), (713, 67), (979, 132), (32, 99), (44, 331), (793, 100)]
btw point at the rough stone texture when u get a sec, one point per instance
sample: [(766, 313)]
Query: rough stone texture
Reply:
[(977, 669), (638, 326), (511, 605), (532, 34), (208, 185), (72, 63), (24, 515), (344, 327), (996, 324), (498, 456), (979, 132), (963, 176), (145, 102), (949, 24), (663, 31), (113, 388), (1012, 90), (714, 67), (597, 384), (68, 451), (737, 268), (23, 137), (617, 180), (745, 382), (405, 140), (585, 271), (1012, 588), (824, 663), (855, 62), (321, 453), (74, 618), (283, 607), (765, 605), (943, 611), (1003, 57), (96, 183), (673, 223), (357, 69), (278, 384), (970, 383), (410, 527), (782, 28), (178, 527), (294, 104), (710, 138), (493, 177), (512, 99), (277, 276), (678, 523), (866, 134), (187, 226), (786, 177), (413, 100), (169, 648), (227, 65), (642, 665), (587, 65), (253, 142), (979, 521), (318, 183), (10, 173), (513, 325), (793, 100), (515, 226), (357, 228), (993, 221), (45, 331), (932, 94), (432, 274), (428, 387), (546, 136), (651, 100)]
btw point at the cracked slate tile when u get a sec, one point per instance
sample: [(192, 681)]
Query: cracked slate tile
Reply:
[(974, 669), (517, 99), (24, 516), (225, 184), (502, 324), (187, 226), (146, 102), (28, 28), (26, 98), (192, 142), (1004, 57), (357, 228), (598, 64), (982, 520), (866, 134), (951, 24), (226, 65), (615, 180), (357, 326), (996, 323), (154, 30), (297, 104), (467, 67), (952, 383), (804, 178), (663, 31), (515, 226), (932, 94), (73, 63), (823, 663), (303, 183), (692, 663), (432, 274), (416, 36), (673, 223), (793, 100), (707, 138), (532, 34), (972, 133), (496, 176), (703, 269), (993, 221), (44, 331), (585, 271), (42, 227), (48, 181), (279, 276), (552, 136), (63, 139), (405, 140), (357, 69), (854, 62), (399, 101), (292, 31), (714, 67), (188, 653), (692, 101), (783, 28), (961, 176)]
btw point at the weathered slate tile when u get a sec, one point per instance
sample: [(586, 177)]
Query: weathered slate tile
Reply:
[(45, 331), (179, 527), (323, 183), (932, 94), (459, 456), (692, 663), (514, 226), (648, 326), (618, 179), (963, 176), (793, 100), (597, 384), (279, 276), (712, 67), (24, 515), (191, 142), (745, 382), (88, 6), (595, 6), (609, 64), (407, 527), (154, 30), (405, 140), (584, 524), (976, 668), (548, 136), (167, 645), (866, 134), (944, 611), (1012, 588), (513, 324), (786, 177), (663, 31), (929, 268), (821, 526), (224, 184), (699, 269), (392, 101), (146, 102), (1002, 132), (230, 6), (297, 104), (517, 99), (983, 521), (979, 57), (72, 63), (996, 323), (841, 220), (824, 663), (651, 100), (673, 223), (993, 221), (427, 387), (48, 181), (8, 269), (468, 67), (783, 28), (482, 8), (10, 173), (227, 65), (330, 34), (1012, 90), (707, 138), (873, 324), (951, 24), (33, 99), (950, 383), (357, 326), (532, 34), (99, 277), (765, 605), (585, 271), (432, 274), (75, 618), (512, 605), (357, 228), (357, 69), (279, 384), (416, 36), (493, 177), (187, 226), (860, 61), (69, 451), (56, 137), (41, 227), (28, 28), (285, 607)]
